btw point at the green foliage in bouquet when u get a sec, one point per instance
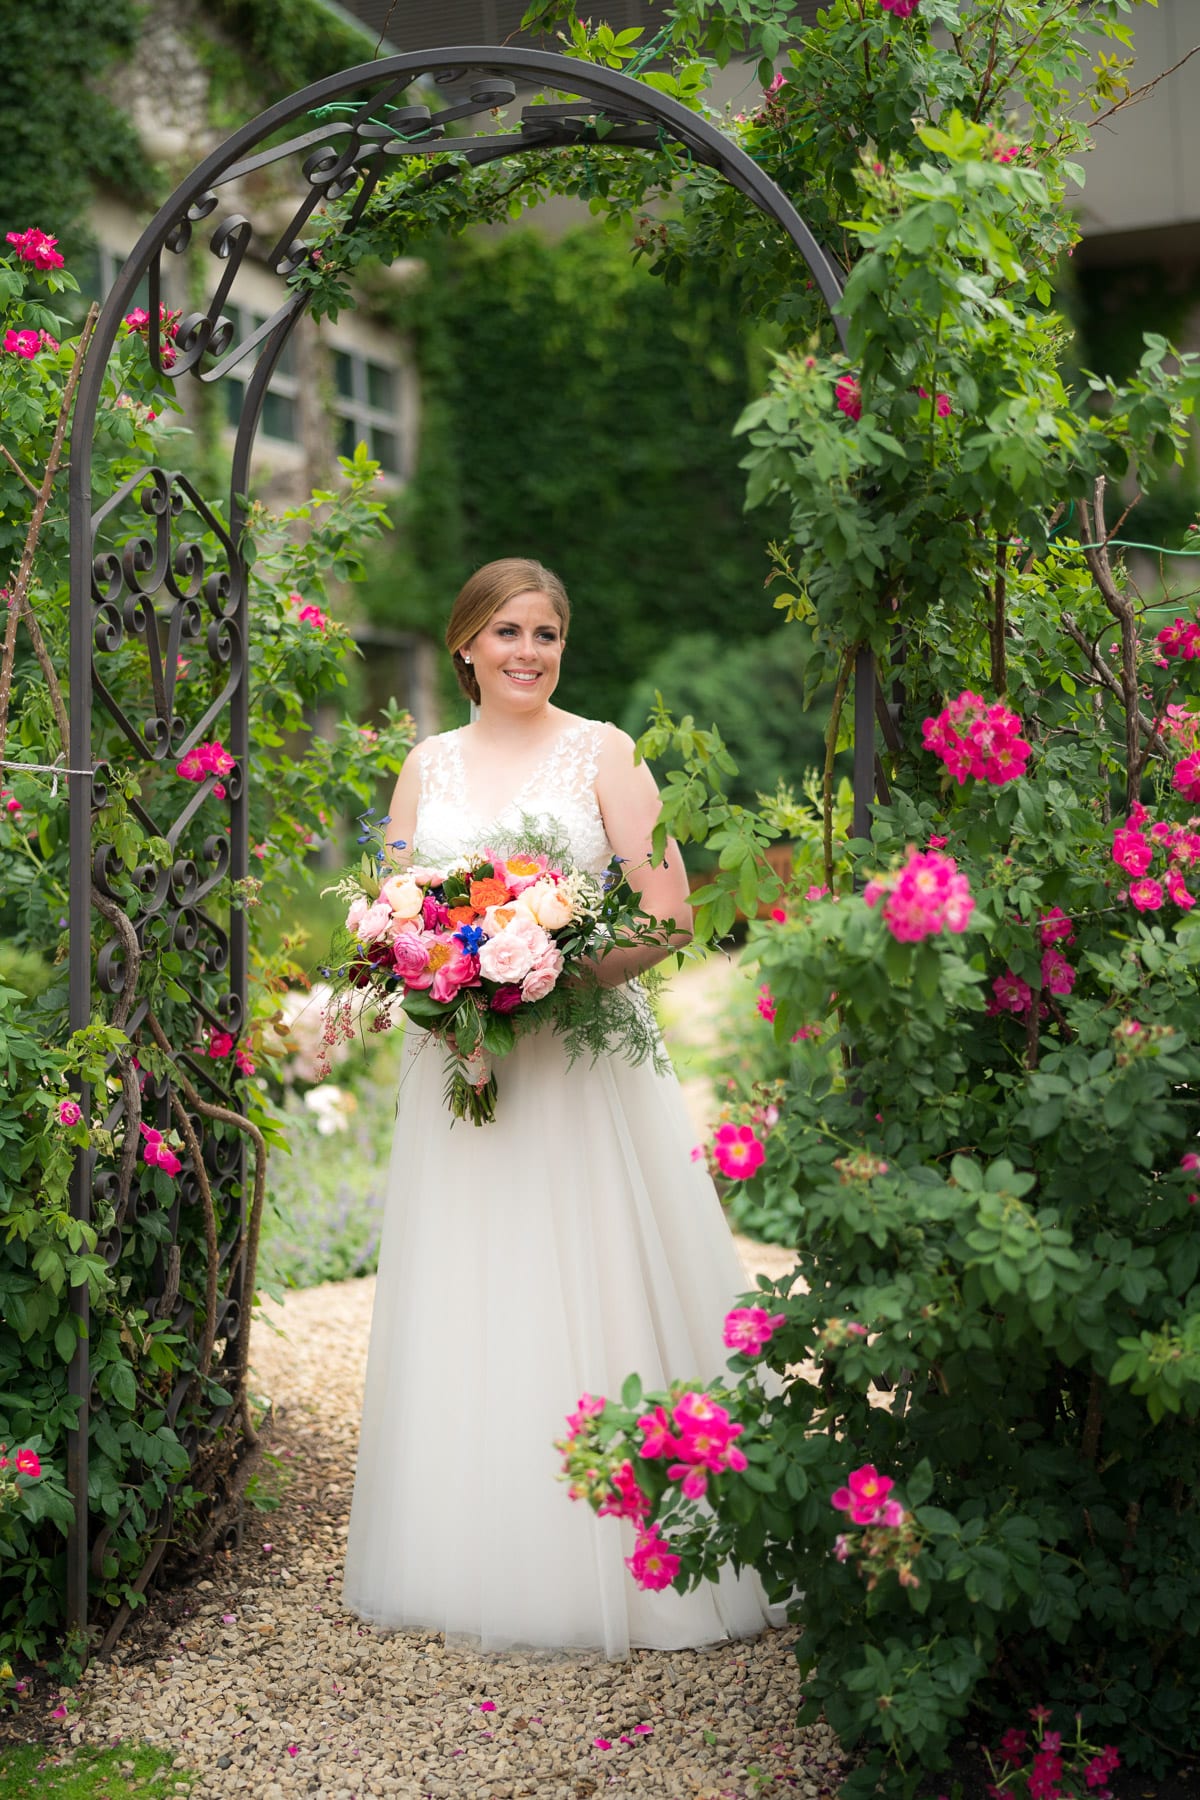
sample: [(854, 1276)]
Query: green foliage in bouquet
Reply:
[(298, 784)]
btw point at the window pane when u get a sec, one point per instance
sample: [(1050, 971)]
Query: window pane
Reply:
[(347, 437), (385, 450), (381, 388), (343, 374), (235, 394), (279, 416)]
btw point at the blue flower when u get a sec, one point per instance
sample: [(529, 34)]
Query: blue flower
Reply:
[(399, 844), (470, 937)]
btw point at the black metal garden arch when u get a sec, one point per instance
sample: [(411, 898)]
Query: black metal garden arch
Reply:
[(143, 584)]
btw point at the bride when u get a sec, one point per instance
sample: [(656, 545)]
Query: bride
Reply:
[(553, 1252)]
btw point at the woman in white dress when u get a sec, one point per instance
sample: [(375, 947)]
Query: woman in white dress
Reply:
[(550, 1253)]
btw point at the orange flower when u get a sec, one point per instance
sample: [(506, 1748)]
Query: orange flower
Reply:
[(489, 892), (463, 915), (504, 915)]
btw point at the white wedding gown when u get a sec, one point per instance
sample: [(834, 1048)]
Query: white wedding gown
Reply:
[(554, 1251)]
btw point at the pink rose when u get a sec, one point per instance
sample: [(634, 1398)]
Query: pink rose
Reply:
[(511, 954), (374, 922), (68, 1112), (459, 972), (410, 954), (357, 913), (543, 975)]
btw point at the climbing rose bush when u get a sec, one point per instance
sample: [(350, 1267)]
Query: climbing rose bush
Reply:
[(980, 1155)]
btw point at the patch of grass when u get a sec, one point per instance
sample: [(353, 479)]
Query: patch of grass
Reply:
[(122, 1772)]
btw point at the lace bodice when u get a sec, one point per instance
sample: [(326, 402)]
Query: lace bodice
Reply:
[(560, 794)]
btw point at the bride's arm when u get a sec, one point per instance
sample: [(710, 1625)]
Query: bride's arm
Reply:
[(629, 805), (403, 810)]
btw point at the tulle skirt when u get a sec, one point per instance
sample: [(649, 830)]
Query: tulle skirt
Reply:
[(555, 1251)]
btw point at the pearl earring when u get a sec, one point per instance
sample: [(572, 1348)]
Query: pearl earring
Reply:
[(466, 658)]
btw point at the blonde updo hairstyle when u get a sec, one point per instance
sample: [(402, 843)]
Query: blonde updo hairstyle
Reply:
[(485, 593)]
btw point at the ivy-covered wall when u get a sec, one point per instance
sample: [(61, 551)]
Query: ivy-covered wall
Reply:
[(63, 138), (577, 410)]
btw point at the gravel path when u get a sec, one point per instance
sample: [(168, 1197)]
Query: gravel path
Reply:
[(256, 1677)]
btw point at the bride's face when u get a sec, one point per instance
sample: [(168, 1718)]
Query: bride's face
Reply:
[(517, 654)]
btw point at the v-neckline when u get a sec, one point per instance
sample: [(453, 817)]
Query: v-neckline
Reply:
[(461, 770)]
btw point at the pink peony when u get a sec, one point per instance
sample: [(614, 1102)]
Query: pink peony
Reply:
[(543, 975), (69, 1112), (459, 972), (747, 1328), (410, 954), (1146, 895), (33, 246), (653, 1564), (737, 1152), (849, 396)]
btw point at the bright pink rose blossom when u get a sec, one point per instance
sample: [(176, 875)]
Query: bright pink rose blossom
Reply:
[(33, 246), (747, 1328), (974, 738), (1146, 895), (1185, 777), (864, 1495), (849, 396), (69, 1112), (653, 1564), (737, 1151), (927, 896)]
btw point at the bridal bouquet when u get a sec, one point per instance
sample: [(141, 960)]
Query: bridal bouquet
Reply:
[(489, 947)]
